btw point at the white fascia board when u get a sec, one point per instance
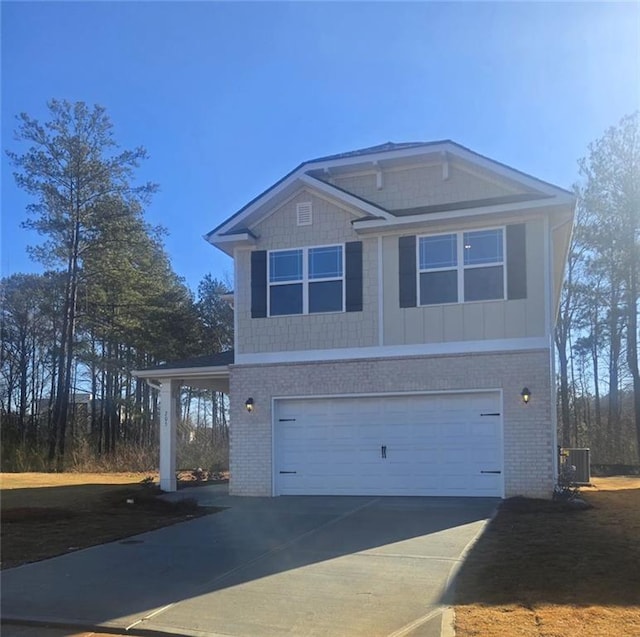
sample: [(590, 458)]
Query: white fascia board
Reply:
[(345, 197), (256, 205), (558, 278), (183, 372), (507, 172), (456, 151), (436, 149), (298, 179), (409, 220), (233, 238), (228, 242), (396, 351), (311, 165)]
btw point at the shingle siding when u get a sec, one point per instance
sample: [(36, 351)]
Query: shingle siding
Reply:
[(331, 224), (528, 440), (423, 186)]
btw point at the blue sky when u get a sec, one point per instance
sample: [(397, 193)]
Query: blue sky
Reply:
[(229, 96)]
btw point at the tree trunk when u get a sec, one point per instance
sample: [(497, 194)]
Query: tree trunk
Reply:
[(632, 339)]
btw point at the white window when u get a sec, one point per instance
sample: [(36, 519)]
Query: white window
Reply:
[(306, 280), (461, 266)]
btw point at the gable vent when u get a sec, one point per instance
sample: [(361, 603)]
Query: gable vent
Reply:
[(304, 213)]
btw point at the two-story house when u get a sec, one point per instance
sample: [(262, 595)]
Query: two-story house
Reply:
[(394, 316)]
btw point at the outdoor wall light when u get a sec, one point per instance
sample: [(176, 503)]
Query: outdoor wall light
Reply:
[(249, 404), (526, 395)]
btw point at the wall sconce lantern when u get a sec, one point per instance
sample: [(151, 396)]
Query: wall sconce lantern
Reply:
[(526, 395), (249, 404)]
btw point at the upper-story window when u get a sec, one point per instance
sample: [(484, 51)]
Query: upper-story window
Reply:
[(306, 280), (461, 266)]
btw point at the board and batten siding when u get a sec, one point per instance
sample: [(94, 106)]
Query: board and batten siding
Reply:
[(480, 320), (330, 225)]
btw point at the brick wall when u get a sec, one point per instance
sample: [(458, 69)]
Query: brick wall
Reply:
[(528, 438)]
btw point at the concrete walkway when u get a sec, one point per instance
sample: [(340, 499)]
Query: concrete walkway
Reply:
[(314, 566)]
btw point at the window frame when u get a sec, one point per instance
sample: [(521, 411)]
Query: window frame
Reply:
[(305, 281), (460, 266)]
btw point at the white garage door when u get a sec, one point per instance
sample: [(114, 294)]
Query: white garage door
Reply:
[(439, 445)]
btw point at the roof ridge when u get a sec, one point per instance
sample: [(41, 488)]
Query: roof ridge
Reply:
[(378, 148)]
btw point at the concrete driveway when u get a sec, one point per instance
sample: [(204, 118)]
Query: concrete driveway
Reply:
[(264, 567)]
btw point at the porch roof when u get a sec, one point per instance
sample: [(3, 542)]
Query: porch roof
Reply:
[(206, 372)]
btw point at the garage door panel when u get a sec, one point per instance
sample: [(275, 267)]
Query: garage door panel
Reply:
[(395, 445)]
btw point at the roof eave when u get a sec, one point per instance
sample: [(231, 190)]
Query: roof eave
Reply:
[(227, 243), (429, 148), (373, 225), (217, 371)]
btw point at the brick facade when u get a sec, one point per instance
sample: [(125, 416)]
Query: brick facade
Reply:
[(528, 439)]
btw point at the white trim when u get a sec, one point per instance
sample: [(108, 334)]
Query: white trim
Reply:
[(396, 351), (172, 373), (460, 268), (274, 463), (556, 296), (368, 172), (375, 224), (297, 183), (305, 281), (547, 274), (341, 195), (435, 392), (380, 294), (445, 165), (452, 149), (236, 281), (234, 238), (554, 412), (379, 183), (455, 150), (383, 394), (310, 192)]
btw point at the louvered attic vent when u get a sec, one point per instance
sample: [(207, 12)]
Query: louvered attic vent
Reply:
[(304, 213)]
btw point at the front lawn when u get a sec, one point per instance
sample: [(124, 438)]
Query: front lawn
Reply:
[(542, 571), (47, 514)]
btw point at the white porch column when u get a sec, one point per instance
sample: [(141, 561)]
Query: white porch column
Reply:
[(168, 428)]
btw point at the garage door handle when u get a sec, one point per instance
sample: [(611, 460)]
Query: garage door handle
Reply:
[(287, 419), (383, 451), (492, 414), (491, 472), (288, 472)]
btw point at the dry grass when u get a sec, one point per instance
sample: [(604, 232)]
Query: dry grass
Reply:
[(45, 514), (541, 570)]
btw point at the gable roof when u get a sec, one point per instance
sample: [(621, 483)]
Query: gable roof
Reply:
[(236, 228)]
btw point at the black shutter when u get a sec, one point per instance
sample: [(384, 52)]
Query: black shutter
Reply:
[(353, 276), (516, 261), (407, 270), (259, 284)]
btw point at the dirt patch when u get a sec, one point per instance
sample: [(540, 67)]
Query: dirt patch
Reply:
[(542, 570), (44, 515)]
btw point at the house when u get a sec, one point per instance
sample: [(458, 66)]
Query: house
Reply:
[(394, 316)]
